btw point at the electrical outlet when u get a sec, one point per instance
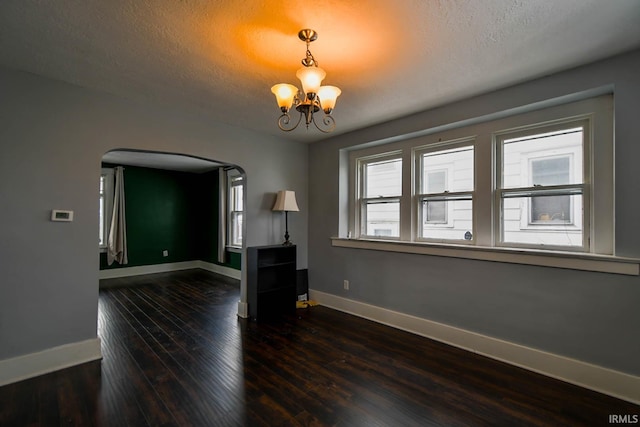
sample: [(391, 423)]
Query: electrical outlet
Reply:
[(346, 285), (165, 253)]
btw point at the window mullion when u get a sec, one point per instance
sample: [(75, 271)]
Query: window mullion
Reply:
[(539, 191), (406, 208), (457, 195)]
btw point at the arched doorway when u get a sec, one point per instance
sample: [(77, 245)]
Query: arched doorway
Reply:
[(182, 212)]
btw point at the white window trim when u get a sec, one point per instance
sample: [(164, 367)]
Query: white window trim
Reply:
[(584, 120), (234, 178), (109, 175), (416, 154), (359, 223), (556, 259), (600, 183)]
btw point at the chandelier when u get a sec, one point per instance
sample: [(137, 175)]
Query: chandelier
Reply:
[(312, 98)]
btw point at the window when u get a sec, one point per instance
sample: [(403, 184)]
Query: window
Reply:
[(538, 180), (380, 189), (235, 203), (542, 186), (105, 206), (445, 192)]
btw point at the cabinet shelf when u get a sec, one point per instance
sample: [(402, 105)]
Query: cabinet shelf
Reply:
[(276, 265), (279, 289), (271, 281)]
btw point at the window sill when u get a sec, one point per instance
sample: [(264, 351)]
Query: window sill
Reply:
[(236, 249), (584, 262)]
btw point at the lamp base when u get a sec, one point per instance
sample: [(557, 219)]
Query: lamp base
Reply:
[(287, 242)]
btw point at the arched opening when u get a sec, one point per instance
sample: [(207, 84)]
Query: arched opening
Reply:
[(181, 212)]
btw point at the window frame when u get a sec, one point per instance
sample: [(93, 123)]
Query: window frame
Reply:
[(361, 203), (107, 197), (234, 179), (420, 196), (583, 188), (598, 110)]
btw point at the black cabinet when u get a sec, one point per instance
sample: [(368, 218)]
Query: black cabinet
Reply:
[(271, 281)]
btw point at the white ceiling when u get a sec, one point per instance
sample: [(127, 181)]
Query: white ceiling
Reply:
[(391, 58)]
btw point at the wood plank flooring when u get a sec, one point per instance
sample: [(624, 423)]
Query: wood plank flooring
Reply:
[(176, 354)]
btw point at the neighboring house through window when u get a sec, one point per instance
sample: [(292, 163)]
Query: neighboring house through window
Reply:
[(542, 185), (436, 211), (444, 182), (381, 189)]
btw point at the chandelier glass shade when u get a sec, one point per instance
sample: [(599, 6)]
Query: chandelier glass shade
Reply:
[(312, 98)]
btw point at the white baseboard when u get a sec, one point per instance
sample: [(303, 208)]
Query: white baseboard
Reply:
[(168, 267), (614, 383), (243, 309), (49, 360), (148, 269), (220, 269)]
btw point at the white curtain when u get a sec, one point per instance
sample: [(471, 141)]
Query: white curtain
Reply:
[(222, 215), (117, 241)]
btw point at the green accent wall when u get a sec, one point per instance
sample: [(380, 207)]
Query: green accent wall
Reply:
[(173, 211), (233, 260)]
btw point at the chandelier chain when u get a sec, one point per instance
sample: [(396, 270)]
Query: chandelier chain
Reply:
[(309, 60)]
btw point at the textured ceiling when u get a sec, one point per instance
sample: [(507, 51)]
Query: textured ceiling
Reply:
[(391, 58)]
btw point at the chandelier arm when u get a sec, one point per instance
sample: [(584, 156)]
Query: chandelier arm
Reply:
[(285, 120), (328, 124)]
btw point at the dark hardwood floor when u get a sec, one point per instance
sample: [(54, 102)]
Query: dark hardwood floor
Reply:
[(176, 354)]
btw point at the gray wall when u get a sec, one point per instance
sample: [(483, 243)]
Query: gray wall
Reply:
[(593, 317), (53, 136)]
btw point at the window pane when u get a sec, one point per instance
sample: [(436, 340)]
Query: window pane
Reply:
[(458, 221), (448, 170), (523, 220), (551, 210), (436, 181), (436, 212), (236, 228), (236, 198), (383, 178), (553, 171), (543, 159), (382, 219)]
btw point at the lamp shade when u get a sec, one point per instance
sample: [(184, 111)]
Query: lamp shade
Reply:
[(284, 95), (328, 96), (286, 201), (311, 79)]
